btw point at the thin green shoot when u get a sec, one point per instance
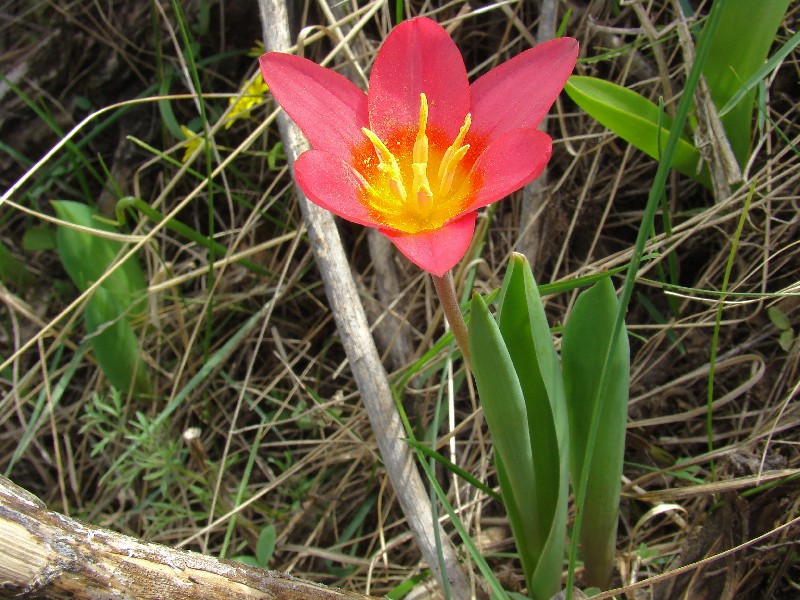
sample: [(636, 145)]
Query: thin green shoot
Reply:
[(656, 190), (497, 590), (718, 321), (454, 469), (248, 470)]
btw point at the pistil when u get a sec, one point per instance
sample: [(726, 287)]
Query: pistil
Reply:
[(421, 187), (413, 207)]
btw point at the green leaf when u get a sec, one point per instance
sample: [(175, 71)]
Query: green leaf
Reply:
[(13, 271), (505, 412), (39, 238), (587, 338), (247, 559), (87, 256), (737, 52), (519, 381), (635, 119), (778, 318), (786, 339), (523, 325), (114, 343), (266, 545)]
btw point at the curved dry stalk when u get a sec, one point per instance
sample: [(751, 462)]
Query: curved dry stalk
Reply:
[(360, 347)]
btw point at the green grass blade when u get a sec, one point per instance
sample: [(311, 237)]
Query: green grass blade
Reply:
[(453, 468), (497, 591), (44, 404), (761, 74), (718, 322), (645, 228)]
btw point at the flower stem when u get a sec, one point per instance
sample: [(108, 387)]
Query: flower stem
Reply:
[(452, 312)]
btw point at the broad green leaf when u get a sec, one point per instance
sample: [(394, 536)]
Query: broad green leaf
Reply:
[(786, 339), (505, 412), (39, 238), (247, 559), (114, 343), (266, 545), (587, 338), (778, 318), (635, 119), (519, 382), (525, 331), (739, 47), (86, 256)]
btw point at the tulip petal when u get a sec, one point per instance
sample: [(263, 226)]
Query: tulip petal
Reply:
[(518, 93), (510, 162), (418, 56), (333, 184), (439, 250), (328, 108)]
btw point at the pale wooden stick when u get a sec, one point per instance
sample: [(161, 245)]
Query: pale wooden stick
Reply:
[(44, 554), (535, 222), (360, 348)]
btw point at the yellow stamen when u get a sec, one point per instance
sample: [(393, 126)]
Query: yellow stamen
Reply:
[(403, 193), (453, 156), (446, 181), (388, 163)]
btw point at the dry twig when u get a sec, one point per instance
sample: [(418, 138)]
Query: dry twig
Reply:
[(47, 555), (359, 345)]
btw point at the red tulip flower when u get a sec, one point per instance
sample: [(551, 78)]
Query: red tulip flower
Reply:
[(419, 154)]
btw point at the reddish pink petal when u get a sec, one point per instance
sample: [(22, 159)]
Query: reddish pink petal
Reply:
[(329, 109), (418, 56), (333, 184), (508, 163), (518, 93), (436, 251)]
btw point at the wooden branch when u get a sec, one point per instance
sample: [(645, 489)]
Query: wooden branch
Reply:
[(391, 333), (534, 222), (359, 346), (710, 137), (44, 554)]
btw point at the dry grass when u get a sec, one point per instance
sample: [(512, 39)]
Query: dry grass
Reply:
[(283, 437)]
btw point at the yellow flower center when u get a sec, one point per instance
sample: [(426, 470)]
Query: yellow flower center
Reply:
[(416, 181)]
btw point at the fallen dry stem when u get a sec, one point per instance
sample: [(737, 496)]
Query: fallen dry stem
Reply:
[(360, 348)]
